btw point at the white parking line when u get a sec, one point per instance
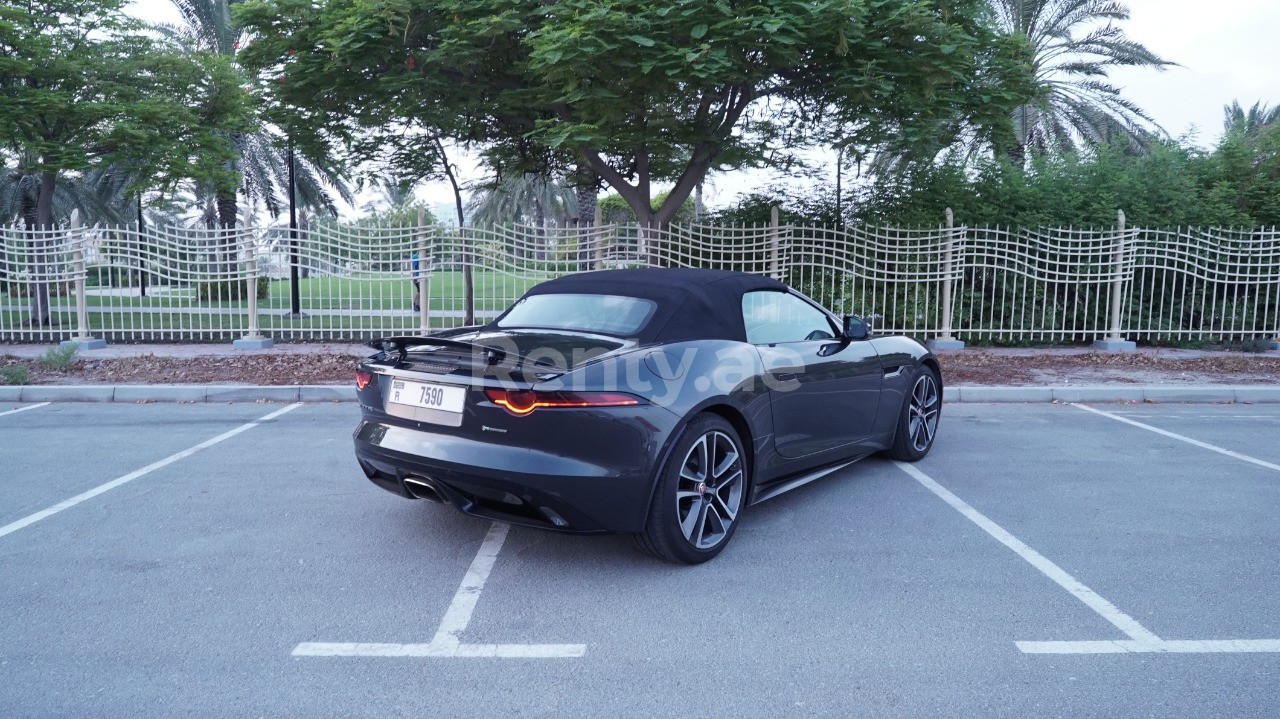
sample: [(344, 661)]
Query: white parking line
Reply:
[(69, 503), (446, 642), (1181, 438), (24, 409), (1164, 646), (458, 616), (1091, 599), (1141, 640)]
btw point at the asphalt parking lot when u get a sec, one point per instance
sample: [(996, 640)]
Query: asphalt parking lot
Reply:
[(1045, 560)]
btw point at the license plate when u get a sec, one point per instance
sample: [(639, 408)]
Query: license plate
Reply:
[(429, 396)]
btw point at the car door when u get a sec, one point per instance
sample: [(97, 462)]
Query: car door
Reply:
[(824, 390)]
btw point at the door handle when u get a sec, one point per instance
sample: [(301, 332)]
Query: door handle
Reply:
[(785, 376)]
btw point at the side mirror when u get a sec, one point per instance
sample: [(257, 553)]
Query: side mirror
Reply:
[(855, 328)]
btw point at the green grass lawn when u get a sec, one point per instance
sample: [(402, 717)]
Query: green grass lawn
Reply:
[(370, 299), (493, 292), (142, 325)]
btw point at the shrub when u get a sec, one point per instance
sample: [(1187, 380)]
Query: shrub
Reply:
[(58, 358), (15, 374), (231, 290), (105, 277)]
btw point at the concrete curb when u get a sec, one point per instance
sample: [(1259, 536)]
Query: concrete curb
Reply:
[(347, 393), (178, 393), (1203, 394)]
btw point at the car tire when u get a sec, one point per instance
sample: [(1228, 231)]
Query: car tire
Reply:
[(919, 418), (700, 494)]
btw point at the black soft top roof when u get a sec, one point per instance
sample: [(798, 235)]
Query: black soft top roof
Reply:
[(691, 304)]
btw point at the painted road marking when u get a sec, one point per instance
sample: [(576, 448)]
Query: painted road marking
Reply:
[(1141, 640), (1181, 438), (24, 409), (1164, 646), (1091, 599), (69, 503), (446, 642)]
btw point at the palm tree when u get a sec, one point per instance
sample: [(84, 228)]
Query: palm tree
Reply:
[(1251, 123), (394, 194), (531, 198), (98, 194), (263, 157), (1074, 43)]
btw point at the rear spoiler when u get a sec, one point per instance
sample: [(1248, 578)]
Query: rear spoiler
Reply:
[(399, 346)]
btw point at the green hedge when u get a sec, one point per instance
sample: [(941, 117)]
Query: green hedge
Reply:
[(231, 290)]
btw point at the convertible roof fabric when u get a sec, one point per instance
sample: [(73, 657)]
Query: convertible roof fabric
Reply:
[(691, 304)]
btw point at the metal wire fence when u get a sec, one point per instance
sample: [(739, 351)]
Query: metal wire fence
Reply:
[(328, 281)]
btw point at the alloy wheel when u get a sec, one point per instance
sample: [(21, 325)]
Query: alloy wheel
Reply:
[(923, 412), (709, 490)]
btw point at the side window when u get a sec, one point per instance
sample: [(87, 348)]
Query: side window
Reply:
[(772, 317)]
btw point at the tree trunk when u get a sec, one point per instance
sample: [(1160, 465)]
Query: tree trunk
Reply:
[(468, 285), (1017, 153), (228, 209), (30, 215), (43, 240), (29, 220), (539, 232), (586, 184)]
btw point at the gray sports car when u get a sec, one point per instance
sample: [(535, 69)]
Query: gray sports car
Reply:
[(661, 402)]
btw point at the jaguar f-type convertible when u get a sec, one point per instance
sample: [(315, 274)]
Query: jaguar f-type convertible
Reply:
[(661, 402)]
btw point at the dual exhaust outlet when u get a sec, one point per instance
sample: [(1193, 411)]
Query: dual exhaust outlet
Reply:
[(423, 488)]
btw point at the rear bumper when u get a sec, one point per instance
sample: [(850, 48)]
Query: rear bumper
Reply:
[(606, 486)]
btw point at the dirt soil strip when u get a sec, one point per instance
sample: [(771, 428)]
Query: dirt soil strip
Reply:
[(970, 367)]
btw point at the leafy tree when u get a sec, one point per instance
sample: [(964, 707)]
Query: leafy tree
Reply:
[(397, 206), (635, 91), (1245, 166), (614, 209), (1251, 124), (82, 87)]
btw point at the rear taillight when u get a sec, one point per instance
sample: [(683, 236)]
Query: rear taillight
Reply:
[(523, 401), (363, 378)]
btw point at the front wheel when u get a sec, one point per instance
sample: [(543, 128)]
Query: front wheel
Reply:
[(918, 422), (699, 494)]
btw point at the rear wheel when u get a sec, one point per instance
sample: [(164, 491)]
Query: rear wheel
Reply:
[(700, 494), (918, 422)]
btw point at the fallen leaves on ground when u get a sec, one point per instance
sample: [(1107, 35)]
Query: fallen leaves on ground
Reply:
[(976, 367), (969, 367), (258, 369)]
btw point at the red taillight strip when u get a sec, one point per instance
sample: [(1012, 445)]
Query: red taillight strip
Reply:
[(522, 402), (363, 379)]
